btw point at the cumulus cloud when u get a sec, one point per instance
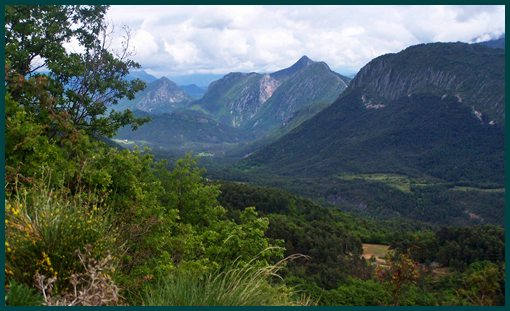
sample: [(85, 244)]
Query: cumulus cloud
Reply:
[(176, 40)]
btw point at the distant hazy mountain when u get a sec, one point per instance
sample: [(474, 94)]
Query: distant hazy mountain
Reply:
[(263, 102), (142, 75), (159, 96), (193, 90), (201, 80)]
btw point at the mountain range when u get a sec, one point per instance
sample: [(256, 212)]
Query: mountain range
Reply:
[(250, 103), (431, 115)]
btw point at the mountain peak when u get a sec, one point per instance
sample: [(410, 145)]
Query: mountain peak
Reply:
[(304, 61), (164, 79), (165, 83)]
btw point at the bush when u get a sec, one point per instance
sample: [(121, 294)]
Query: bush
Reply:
[(356, 292), (44, 229), (94, 287)]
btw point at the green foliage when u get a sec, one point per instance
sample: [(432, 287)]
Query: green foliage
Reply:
[(201, 216), (44, 229), (18, 294), (357, 292), (455, 247), (325, 236), (195, 201), (79, 86), (242, 241), (483, 284), (27, 149), (401, 272)]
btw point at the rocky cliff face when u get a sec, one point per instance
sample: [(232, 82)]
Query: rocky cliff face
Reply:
[(268, 86), (443, 69)]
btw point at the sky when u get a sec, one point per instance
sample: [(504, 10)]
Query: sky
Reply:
[(183, 40)]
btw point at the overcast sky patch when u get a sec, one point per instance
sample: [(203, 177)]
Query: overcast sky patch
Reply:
[(180, 40)]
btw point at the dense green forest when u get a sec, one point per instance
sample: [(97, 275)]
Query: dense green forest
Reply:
[(89, 223)]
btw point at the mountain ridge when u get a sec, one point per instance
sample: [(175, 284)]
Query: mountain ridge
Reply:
[(238, 98), (421, 68)]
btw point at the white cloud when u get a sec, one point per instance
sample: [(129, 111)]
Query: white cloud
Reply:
[(144, 43), (172, 40)]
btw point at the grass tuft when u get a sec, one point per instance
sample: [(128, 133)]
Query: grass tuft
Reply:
[(238, 285)]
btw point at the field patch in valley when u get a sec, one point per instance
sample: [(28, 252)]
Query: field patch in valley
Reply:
[(379, 251), (400, 182)]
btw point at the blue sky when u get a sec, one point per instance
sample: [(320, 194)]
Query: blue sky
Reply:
[(181, 40)]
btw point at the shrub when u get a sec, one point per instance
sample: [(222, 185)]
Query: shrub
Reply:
[(93, 287), (356, 292), (43, 230)]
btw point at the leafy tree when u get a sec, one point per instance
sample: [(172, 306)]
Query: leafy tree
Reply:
[(187, 191), (421, 245), (401, 272), (483, 284), (80, 87)]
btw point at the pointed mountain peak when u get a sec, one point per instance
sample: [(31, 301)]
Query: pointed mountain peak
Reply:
[(164, 79), (164, 82), (304, 61)]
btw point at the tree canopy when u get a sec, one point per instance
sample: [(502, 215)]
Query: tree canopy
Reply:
[(61, 66)]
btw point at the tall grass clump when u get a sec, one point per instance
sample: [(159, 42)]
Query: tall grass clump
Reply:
[(45, 228), (237, 285)]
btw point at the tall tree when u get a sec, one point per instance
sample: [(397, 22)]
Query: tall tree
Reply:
[(81, 83)]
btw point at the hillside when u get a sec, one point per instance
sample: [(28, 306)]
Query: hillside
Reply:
[(181, 130), (411, 114), (313, 83), (473, 73)]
